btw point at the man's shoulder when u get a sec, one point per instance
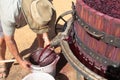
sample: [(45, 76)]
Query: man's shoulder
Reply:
[(9, 11)]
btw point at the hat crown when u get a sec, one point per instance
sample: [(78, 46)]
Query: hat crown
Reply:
[(41, 11)]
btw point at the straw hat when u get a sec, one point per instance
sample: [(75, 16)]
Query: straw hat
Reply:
[(37, 14)]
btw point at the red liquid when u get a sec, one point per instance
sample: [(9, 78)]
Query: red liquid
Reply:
[(109, 7)]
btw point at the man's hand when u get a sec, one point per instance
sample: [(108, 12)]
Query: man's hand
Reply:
[(25, 64)]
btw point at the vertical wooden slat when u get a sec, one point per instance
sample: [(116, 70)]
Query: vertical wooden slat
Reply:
[(117, 58), (116, 28), (78, 9)]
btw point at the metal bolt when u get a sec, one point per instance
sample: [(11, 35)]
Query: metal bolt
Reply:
[(111, 40)]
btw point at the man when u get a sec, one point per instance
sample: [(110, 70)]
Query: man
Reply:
[(9, 13), (40, 16), (10, 16)]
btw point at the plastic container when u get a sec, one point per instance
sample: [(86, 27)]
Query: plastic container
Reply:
[(38, 76), (51, 68)]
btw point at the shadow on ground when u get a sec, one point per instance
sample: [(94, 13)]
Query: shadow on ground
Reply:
[(61, 63)]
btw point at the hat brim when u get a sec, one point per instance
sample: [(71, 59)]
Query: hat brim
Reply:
[(41, 31)]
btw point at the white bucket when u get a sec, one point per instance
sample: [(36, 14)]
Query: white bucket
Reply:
[(51, 68), (38, 76)]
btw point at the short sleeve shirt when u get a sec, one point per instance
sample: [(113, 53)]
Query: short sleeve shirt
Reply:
[(9, 12)]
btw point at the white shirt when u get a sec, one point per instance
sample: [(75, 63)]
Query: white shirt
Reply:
[(10, 11)]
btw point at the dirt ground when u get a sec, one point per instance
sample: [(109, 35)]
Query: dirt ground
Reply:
[(26, 41)]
